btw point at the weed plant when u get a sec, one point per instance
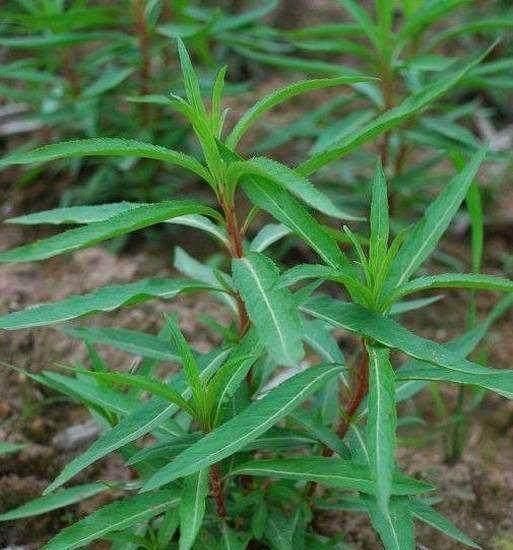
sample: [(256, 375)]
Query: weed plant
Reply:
[(247, 442)]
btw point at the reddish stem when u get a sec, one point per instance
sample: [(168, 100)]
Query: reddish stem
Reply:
[(361, 386), (237, 251), (216, 486), (141, 30)]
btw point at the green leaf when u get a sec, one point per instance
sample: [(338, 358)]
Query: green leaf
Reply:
[(205, 273), (286, 209), (257, 418), (8, 448), (381, 423), (379, 222), (87, 391), (443, 362), (359, 14), (57, 39), (105, 147), (390, 119), (428, 515), (190, 366), (272, 309), (102, 212), (138, 423), (468, 28), (320, 433), (106, 81), (155, 387), (314, 271), (228, 378), (192, 507), (106, 298), (268, 235), (131, 341), (60, 499), (117, 516), (94, 233), (310, 66), (410, 305), (427, 14), (190, 78), (281, 95), (420, 242), (333, 472), (142, 420), (75, 214), (216, 115), (296, 184), (317, 335), (473, 281), (395, 525)]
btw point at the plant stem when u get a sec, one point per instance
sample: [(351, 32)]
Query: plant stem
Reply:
[(361, 386), (387, 88), (216, 486), (235, 237), (237, 251), (141, 30), (70, 74)]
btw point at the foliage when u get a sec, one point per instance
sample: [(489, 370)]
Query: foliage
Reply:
[(224, 449)]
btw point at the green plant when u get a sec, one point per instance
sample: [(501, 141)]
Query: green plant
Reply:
[(226, 424), (81, 69), (407, 44)]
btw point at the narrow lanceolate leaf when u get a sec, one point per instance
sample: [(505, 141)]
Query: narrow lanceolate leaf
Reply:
[(102, 212), (456, 280), (379, 222), (104, 147), (131, 341), (428, 515), (107, 298), (333, 472), (320, 432), (268, 235), (381, 422), (296, 184), (117, 516), (317, 335), (55, 501), (290, 212), (271, 308), (360, 15), (140, 422), (394, 525), (144, 383), (94, 233), (74, 214), (421, 242), (245, 427), (192, 507), (389, 119), (344, 276), (279, 96), (442, 362)]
